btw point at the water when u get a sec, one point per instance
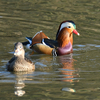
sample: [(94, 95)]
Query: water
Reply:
[(72, 77)]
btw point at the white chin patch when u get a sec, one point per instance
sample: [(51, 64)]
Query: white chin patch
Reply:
[(15, 53)]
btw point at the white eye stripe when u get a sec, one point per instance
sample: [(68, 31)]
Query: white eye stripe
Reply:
[(66, 24)]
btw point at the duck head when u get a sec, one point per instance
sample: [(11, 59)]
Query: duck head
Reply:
[(19, 50), (65, 33)]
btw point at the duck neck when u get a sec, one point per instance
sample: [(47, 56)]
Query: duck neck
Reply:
[(64, 37), (21, 55)]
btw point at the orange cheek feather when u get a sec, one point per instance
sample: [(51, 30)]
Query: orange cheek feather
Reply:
[(71, 38), (65, 37)]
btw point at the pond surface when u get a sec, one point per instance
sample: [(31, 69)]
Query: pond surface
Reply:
[(70, 77)]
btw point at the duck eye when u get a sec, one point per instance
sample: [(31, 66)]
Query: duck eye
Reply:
[(20, 47), (69, 27)]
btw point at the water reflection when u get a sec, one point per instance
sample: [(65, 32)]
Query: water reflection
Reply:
[(19, 84), (68, 71)]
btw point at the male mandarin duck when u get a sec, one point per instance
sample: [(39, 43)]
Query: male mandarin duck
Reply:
[(40, 43), (19, 62)]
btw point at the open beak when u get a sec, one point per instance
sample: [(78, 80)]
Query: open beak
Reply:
[(75, 32)]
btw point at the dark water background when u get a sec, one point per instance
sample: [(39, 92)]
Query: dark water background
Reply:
[(71, 77)]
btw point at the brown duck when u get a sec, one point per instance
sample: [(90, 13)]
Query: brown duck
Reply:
[(19, 62)]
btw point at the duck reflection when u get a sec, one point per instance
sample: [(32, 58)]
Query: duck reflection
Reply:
[(19, 84), (68, 70)]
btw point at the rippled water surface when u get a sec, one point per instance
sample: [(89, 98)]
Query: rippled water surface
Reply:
[(70, 77)]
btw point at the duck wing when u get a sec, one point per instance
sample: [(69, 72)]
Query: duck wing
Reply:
[(51, 43), (12, 60), (28, 60)]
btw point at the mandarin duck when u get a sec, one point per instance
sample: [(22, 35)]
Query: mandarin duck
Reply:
[(19, 62), (40, 43)]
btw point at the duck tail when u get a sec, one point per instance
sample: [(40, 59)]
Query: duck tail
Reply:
[(28, 43)]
